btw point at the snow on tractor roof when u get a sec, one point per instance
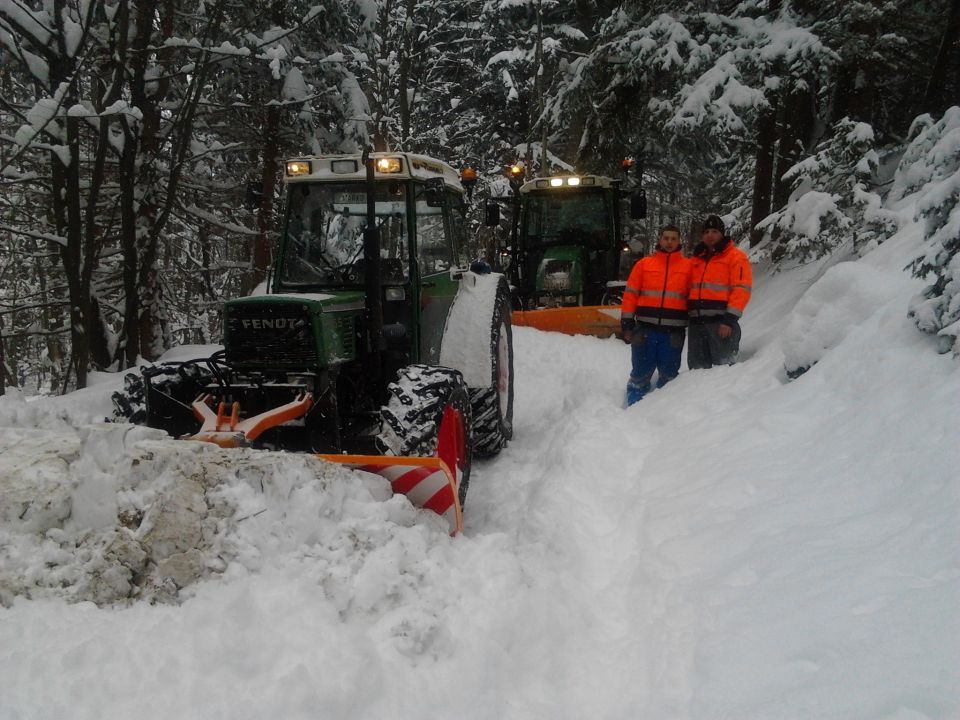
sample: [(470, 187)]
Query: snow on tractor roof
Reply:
[(387, 166), (568, 182)]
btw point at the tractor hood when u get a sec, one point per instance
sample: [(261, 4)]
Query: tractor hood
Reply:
[(560, 271), (305, 331)]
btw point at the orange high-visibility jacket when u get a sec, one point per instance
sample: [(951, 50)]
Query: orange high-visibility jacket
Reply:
[(720, 283), (657, 290)]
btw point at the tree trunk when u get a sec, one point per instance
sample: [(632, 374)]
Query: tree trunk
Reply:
[(3, 361), (150, 211), (934, 97), (51, 319), (763, 176), (139, 28), (795, 126), (93, 232), (265, 213), (539, 80), (65, 182), (129, 348), (406, 53)]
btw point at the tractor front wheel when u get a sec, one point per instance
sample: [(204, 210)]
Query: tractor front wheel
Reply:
[(428, 414)]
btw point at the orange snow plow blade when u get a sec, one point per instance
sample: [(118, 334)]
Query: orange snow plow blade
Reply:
[(597, 320), (426, 481)]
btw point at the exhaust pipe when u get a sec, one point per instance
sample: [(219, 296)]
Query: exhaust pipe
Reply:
[(371, 264)]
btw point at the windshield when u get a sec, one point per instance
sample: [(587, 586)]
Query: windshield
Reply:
[(324, 233), (578, 217)]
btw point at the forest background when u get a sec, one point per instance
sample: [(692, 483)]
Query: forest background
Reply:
[(141, 141)]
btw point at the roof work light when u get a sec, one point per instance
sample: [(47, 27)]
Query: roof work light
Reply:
[(388, 165), (299, 167)]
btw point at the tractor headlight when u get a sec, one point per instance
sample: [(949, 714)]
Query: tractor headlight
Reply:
[(395, 294), (388, 165), (556, 182), (299, 167), (574, 181)]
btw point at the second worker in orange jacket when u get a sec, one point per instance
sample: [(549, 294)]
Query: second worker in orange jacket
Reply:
[(720, 285)]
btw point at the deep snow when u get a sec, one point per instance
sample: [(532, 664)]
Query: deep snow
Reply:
[(736, 545)]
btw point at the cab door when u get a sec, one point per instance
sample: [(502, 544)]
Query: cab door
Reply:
[(436, 255)]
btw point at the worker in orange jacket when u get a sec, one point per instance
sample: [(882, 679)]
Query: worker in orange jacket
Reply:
[(653, 316), (720, 284)]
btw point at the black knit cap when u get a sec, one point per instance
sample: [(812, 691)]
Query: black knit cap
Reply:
[(713, 222)]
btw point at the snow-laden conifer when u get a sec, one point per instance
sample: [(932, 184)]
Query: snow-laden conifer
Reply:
[(833, 202), (931, 168)]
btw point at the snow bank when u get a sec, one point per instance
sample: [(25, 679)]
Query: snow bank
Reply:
[(840, 301), (115, 512)]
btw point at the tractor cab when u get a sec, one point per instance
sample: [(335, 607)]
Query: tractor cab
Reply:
[(419, 212), (568, 244), (564, 254)]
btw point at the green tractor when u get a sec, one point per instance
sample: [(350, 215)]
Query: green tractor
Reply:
[(376, 346), (565, 249)]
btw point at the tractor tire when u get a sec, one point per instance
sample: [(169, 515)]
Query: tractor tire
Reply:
[(180, 381), (493, 406), (130, 404), (411, 419), (612, 296)]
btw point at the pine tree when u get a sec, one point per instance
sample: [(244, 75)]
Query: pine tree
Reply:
[(930, 169), (833, 202)]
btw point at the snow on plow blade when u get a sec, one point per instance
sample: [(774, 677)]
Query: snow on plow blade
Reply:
[(597, 320), (427, 482)]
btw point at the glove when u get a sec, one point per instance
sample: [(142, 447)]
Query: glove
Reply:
[(731, 320), (627, 326), (727, 325)]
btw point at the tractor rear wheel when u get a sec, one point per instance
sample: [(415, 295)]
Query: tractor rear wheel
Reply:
[(493, 406), (427, 414)]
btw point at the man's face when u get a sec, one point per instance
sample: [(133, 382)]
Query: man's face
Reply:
[(711, 237), (669, 240)]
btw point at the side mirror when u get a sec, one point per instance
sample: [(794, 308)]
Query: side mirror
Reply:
[(433, 197), (433, 192), (638, 205), (504, 258), (493, 215), (254, 195)]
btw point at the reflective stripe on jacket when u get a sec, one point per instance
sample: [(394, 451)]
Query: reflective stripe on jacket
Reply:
[(657, 290), (720, 283)]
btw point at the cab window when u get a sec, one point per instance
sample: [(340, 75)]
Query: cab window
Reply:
[(458, 231), (434, 251)]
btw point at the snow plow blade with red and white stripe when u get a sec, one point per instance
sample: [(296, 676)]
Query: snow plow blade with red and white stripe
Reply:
[(427, 482)]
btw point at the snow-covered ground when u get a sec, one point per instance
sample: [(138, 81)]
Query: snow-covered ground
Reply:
[(736, 545)]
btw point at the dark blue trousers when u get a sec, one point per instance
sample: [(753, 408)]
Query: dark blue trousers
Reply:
[(653, 350), (708, 349)]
